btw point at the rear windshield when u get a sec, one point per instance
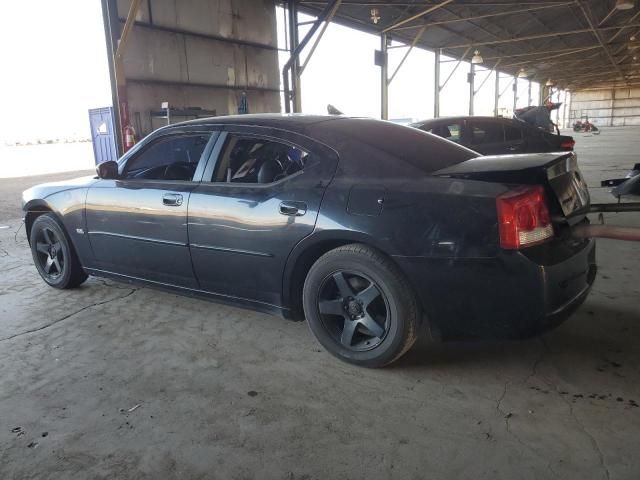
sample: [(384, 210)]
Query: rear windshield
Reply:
[(423, 150)]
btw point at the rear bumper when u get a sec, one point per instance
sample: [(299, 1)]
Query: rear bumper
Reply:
[(513, 295)]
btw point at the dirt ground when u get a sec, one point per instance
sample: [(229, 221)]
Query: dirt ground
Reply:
[(114, 381)]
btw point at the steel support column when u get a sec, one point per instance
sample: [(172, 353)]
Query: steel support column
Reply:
[(436, 85), (470, 79), (112, 34), (529, 94), (384, 82), (319, 37), (515, 92), (295, 93), (292, 91), (118, 63), (496, 94)]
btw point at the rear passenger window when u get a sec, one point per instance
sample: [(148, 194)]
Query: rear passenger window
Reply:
[(257, 160), (482, 133), (512, 133), (451, 132)]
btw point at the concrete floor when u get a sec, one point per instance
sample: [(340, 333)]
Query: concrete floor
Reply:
[(231, 394)]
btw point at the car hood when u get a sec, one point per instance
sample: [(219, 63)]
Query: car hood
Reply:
[(43, 190)]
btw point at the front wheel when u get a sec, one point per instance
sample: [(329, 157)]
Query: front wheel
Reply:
[(360, 306), (53, 254)]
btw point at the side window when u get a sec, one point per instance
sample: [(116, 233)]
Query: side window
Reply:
[(172, 158), (257, 160), (486, 132), (512, 133), (453, 132)]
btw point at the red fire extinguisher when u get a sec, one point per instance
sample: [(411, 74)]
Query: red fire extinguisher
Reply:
[(129, 135)]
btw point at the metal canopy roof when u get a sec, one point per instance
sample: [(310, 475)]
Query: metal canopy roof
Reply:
[(577, 44)]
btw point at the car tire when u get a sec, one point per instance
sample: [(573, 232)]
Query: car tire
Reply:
[(360, 306), (54, 255)]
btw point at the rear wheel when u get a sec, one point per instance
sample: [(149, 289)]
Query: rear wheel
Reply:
[(53, 254), (360, 306)]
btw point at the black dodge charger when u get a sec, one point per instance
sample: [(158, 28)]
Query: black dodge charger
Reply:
[(372, 231)]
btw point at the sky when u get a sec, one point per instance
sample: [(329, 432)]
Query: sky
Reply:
[(55, 69)]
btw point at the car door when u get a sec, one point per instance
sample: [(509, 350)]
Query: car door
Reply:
[(513, 137), (260, 196), (137, 223), (486, 137)]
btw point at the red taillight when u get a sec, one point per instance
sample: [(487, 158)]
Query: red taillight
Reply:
[(523, 217), (568, 144)]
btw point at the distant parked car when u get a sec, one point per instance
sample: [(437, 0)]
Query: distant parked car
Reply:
[(495, 135)]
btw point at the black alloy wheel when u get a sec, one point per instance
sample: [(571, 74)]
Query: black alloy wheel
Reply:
[(53, 254), (50, 254), (353, 310), (360, 306)]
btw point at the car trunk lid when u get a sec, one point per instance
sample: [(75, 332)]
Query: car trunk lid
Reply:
[(558, 173)]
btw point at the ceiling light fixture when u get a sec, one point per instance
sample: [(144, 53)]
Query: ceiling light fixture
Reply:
[(477, 58), (549, 83), (522, 73), (375, 15), (624, 4)]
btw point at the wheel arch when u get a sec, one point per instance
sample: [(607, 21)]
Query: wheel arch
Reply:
[(306, 253), (33, 210)]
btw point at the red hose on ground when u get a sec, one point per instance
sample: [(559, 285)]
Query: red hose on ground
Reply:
[(607, 231)]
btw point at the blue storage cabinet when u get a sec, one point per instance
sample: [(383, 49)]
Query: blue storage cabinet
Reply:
[(103, 134)]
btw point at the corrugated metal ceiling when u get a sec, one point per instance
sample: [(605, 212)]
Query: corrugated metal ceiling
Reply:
[(578, 44)]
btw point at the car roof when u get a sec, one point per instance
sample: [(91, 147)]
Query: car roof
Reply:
[(339, 131), (457, 119), (296, 122)]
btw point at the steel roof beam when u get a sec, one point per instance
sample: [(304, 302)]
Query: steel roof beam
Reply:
[(454, 68), (573, 52), (536, 37), (487, 77), (609, 15), (462, 3), (413, 44), (488, 15), (587, 15), (623, 27), (320, 35), (418, 15), (528, 54)]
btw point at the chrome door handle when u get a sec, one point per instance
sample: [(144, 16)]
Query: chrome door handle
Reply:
[(293, 209), (172, 199)]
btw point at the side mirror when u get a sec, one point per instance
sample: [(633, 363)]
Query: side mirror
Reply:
[(107, 170)]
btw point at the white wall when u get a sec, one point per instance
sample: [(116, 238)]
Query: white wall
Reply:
[(180, 55), (617, 107)]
